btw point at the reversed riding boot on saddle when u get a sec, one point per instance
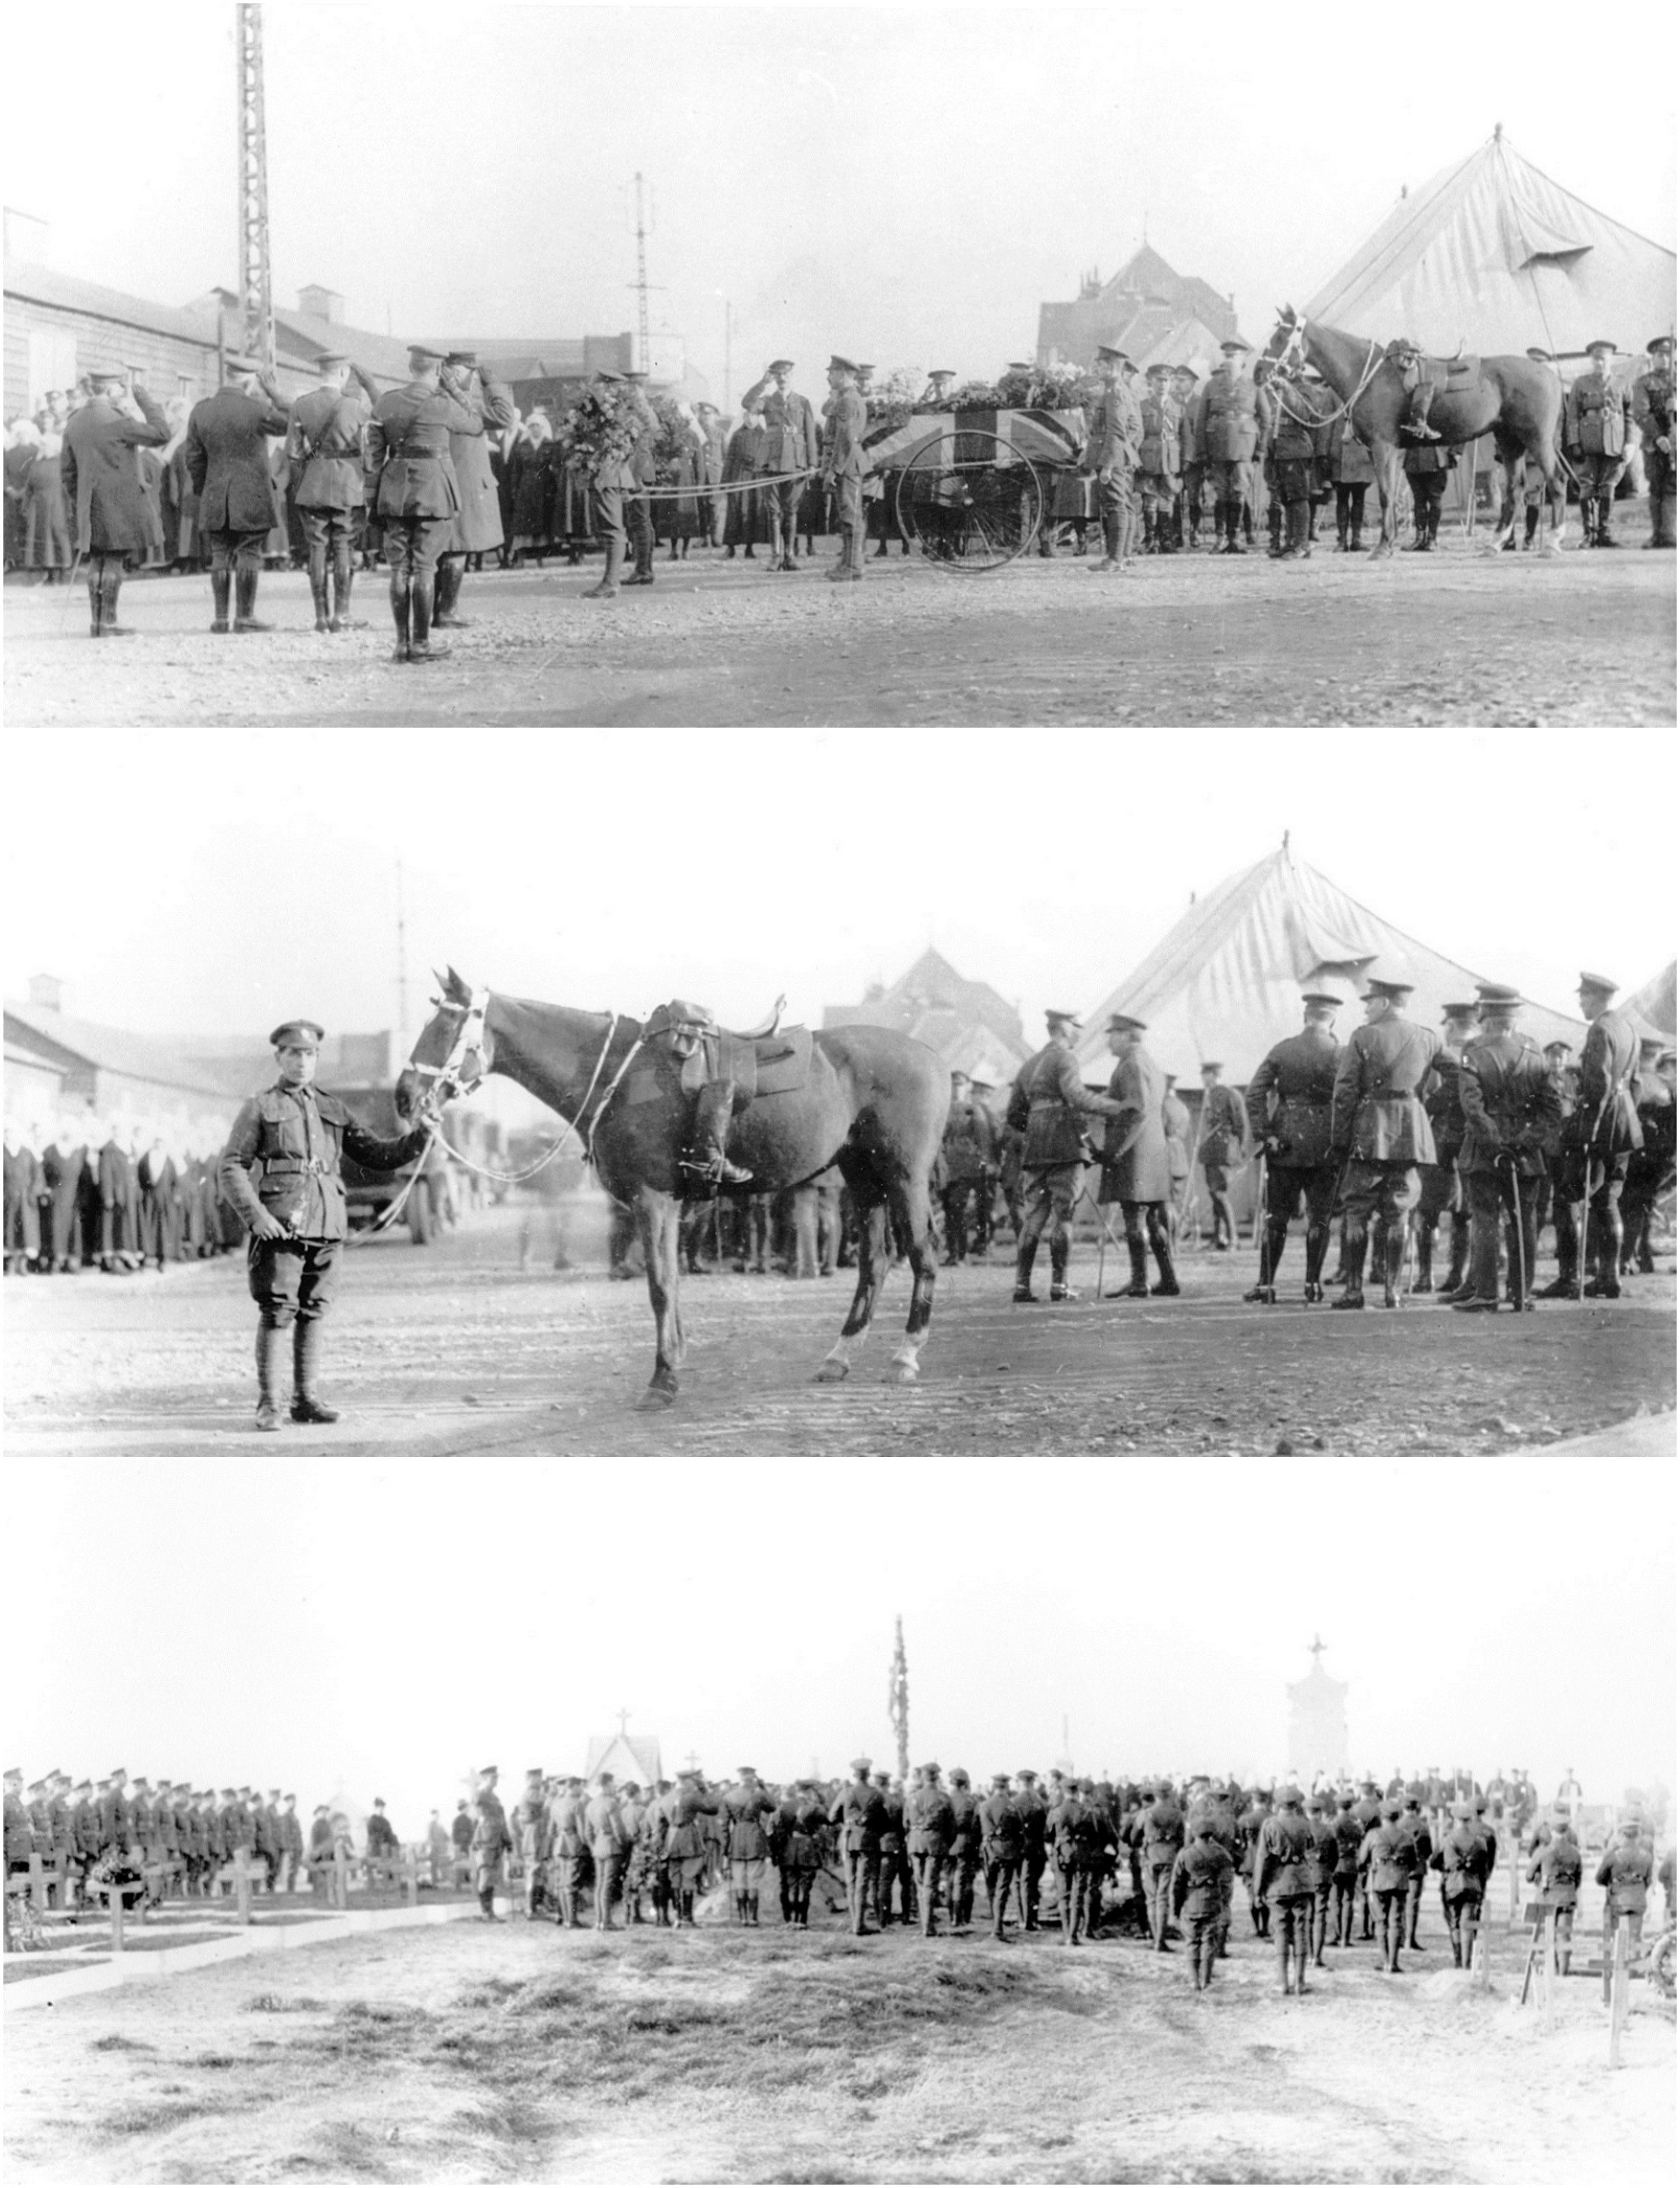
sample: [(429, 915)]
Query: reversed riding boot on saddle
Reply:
[(1139, 1286), (421, 646), (1355, 1251), (245, 603), (1024, 1293), (306, 1361), (710, 1130), (401, 608), (220, 596)]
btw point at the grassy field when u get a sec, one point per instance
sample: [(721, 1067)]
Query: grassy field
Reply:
[(466, 2053)]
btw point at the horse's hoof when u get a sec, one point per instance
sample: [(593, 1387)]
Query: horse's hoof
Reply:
[(907, 1374), (833, 1371), (655, 1400)]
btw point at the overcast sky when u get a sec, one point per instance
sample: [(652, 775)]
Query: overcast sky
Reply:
[(907, 184), (610, 871), (381, 1646)]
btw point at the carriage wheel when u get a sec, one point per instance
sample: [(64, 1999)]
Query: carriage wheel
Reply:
[(973, 510)]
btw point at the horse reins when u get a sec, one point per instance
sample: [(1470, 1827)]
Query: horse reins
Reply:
[(1375, 359)]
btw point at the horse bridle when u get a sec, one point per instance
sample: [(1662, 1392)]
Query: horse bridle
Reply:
[(1296, 346), (447, 1081)]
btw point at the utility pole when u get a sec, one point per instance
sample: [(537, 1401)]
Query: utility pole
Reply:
[(898, 1698), (402, 968), (256, 295), (641, 278)]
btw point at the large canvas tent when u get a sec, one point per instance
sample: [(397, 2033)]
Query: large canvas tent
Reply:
[(1493, 254), (1224, 984), (1653, 1005)]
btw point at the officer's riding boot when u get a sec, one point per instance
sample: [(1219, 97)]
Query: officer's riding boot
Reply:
[(244, 602), (710, 1129), (1665, 521), (1024, 1293), (1588, 523), (317, 587), (1394, 1259), (1235, 513), (1317, 1243), (1606, 537), (450, 572), (1566, 1284), (1423, 1280), (306, 1357), (402, 593), (1353, 1253), (269, 1343), (96, 599), (220, 590), (1058, 1268), (1461, 1253), (343, 577), (1530, 525), (607, 590), (421, 648), (1160, 1244), (111, 585), (1607, 1283), (1285, 1955), (1139, 1286)]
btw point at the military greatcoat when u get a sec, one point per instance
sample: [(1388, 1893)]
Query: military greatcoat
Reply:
[(227, 460), (101, 479), (478, 519), (1135, 1162)]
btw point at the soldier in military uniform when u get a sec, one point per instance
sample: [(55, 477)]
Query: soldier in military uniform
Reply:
[(1187, 393), (1624, 1872), (1379, 1129), (1160, 458), (963, 1858), (411, 487), (324, 447), (1062, 1822), (1201, 1882), (844, 464), (791, 451), (1135, 1171), (528, 1829), (1510, 1105), (1219, 1147), (1441, 1190), (860, 1813), (1002, 1842), (1653, 410), (1046, 1104), (227, 459), (1465, 1864), (476, 529), (1232, 422), (1427, 465), (1555, 1866), (1284, 1878), (1111, 449), (490, 1842), (609, 1837), (102, 488), (1351, 471), (1289, 1107), (969, 1151), (1159, 1835), (1650, 1168), (1597, 416), (930, 1827), (1605, 1133), (746, 1846), (280, 1172), (1388, 1860)]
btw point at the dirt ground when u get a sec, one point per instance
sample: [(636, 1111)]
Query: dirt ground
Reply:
[(525, 2053), (456, 1348), (1464, 635)]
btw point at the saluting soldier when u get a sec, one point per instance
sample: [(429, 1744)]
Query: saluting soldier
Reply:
[(1653, 410), (1046, 1102), (1596, 422), (1379, 1129), (1606, 1132), (280, 1172), (477, 525), (411, 485), (791, 451), (324, 448), (844, 464), (1288, 1106), (1232, 421), (1113, 441), (227, 457), (102, 487), (1510, 1104), (1135, 1170)]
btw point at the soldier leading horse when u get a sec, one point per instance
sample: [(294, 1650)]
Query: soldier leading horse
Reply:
[(873, 1102), (1513, 398)]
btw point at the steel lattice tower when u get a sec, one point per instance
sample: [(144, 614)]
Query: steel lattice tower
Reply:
[(641, 282), (256, 294)]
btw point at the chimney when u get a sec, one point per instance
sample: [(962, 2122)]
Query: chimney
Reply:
[(321, 303), (46, 992)]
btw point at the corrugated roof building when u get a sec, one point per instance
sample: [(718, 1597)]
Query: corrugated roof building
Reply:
[(1157, 316)]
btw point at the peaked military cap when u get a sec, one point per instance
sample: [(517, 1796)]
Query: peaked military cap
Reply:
[(1594, 347), (745, 1770), (1320, 996), (1213, 1064), (1390, 981), (1103, 349), (1158, 371), (1063, 1017), (461, 356), (782, 364), (1657, 342), (1234, 347), (862, 1763), (1458, 1010), (491, 1770), (607, 373), (999, 1779), (1119, 1022), (330, 358), (1290, 1797), (1597, 981), (839, 364), (425, 350), (1558, 1048), (1497, 996), (959, 1776), (99, 373), (942, 372), (292, 1031)]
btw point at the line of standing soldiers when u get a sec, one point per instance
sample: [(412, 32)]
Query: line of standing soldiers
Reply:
[(97, 1196), (170, 1835)]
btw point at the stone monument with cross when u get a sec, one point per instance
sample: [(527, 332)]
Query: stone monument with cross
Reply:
[(1318, 1723), (628, 1755)]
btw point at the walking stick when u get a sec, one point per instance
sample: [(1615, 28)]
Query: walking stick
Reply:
[(1262, 1230), (1517, 1233)]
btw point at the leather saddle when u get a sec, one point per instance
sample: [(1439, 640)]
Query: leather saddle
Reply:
[(1454, 373), (776, 1062)]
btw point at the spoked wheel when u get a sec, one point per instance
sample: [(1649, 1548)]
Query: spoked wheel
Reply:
[(968, 502)]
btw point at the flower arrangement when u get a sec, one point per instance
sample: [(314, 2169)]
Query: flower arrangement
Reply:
[(1044, 387), (601, 428), (891, 400)]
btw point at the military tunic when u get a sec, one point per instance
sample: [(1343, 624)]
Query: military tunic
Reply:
[(1596, 422), (1653, 412), (1288, 1108), (1378, 1121), (410, 476), (228, 463), (101, 479), (1136, 1169), (1510, 1107)]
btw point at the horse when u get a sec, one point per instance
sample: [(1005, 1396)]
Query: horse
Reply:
[(874, 1101), (1513, 398)]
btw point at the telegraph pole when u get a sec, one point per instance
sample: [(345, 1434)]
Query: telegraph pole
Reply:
[(402, 968), (642, 344), (898, 1698), (256, 294)]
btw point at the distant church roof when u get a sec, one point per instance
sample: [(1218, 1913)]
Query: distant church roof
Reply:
[(967, 1024), (1152, 313), (627, 1755)]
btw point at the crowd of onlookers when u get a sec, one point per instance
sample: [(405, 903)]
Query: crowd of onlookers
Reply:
[(111, 1193), (39, 531)]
